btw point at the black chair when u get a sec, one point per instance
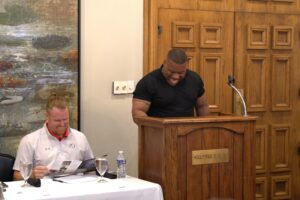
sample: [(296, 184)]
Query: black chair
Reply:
[(6, 167)]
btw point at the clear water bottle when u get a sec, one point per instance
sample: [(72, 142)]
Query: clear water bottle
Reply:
[(121, 165)]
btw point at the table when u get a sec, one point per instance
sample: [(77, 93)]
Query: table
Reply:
[(85, 188)]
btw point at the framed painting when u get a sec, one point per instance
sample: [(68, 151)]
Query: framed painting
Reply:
[(39, 56)]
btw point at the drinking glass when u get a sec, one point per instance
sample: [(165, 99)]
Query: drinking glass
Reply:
[(101, 166), (25, 169)]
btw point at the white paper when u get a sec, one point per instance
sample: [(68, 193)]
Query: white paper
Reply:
[(70, 166), (77, 179)]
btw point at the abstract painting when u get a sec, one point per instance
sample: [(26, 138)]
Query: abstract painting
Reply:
[(39, 56)]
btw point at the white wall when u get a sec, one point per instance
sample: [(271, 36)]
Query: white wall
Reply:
[(111, 49)]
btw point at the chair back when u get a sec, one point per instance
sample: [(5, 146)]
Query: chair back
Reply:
[(6, 167)]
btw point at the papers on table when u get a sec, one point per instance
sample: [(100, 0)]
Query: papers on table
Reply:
[(75, 179), (73, 167), (70, 166)]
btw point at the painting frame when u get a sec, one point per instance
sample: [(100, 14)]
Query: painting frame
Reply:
[(39, 56)]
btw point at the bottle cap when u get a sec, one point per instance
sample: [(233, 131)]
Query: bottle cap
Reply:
[(120, 151)]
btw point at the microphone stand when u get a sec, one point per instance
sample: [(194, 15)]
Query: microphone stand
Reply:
[(231, 84)]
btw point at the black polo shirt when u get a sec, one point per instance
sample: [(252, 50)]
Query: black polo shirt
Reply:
[(166, 100)]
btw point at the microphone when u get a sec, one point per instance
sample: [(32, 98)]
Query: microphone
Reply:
[(231, 84)]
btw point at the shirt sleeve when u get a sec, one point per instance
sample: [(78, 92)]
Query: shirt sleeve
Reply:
[(143, 90), (88, 154), (24, 153), (201, 89)]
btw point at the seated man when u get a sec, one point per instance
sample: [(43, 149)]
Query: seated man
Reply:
[(47, 147)]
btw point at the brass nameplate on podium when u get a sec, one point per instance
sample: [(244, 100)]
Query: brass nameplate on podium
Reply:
[(210, 156)]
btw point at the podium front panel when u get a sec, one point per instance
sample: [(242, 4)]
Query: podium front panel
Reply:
[(199, 160)]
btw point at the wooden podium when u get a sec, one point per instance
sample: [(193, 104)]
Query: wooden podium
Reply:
[(199, 158)]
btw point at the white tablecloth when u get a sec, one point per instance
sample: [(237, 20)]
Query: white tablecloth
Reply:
[(86, 188)]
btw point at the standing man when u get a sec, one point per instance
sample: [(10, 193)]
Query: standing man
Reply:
[(47, 147), (170, 91)]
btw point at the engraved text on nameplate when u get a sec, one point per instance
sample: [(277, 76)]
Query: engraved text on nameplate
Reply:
[(210, 156)]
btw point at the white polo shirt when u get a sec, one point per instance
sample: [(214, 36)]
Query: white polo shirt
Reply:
[(41, 148)]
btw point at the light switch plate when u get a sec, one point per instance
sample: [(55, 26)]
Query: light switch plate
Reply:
[(123, 87), (119, 87)]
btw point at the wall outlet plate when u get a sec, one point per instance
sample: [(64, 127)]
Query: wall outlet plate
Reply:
[(119, 87), (123, 87)]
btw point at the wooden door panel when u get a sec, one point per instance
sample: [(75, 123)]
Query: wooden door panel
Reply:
[(283, 37), (265, 66), (261, 148), (258, 36), (268, 6), (211, 68), (175, 4), (252, 32), (280, 151), (183, 34), (261, 192), (281, 82), (220, 5), (281, 187), (211, 36), (256, 77)]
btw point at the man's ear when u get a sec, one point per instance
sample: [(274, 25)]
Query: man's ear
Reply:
[(46, 116)]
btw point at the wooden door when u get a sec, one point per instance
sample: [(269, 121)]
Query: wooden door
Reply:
[(259, 42), (267, 69)]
